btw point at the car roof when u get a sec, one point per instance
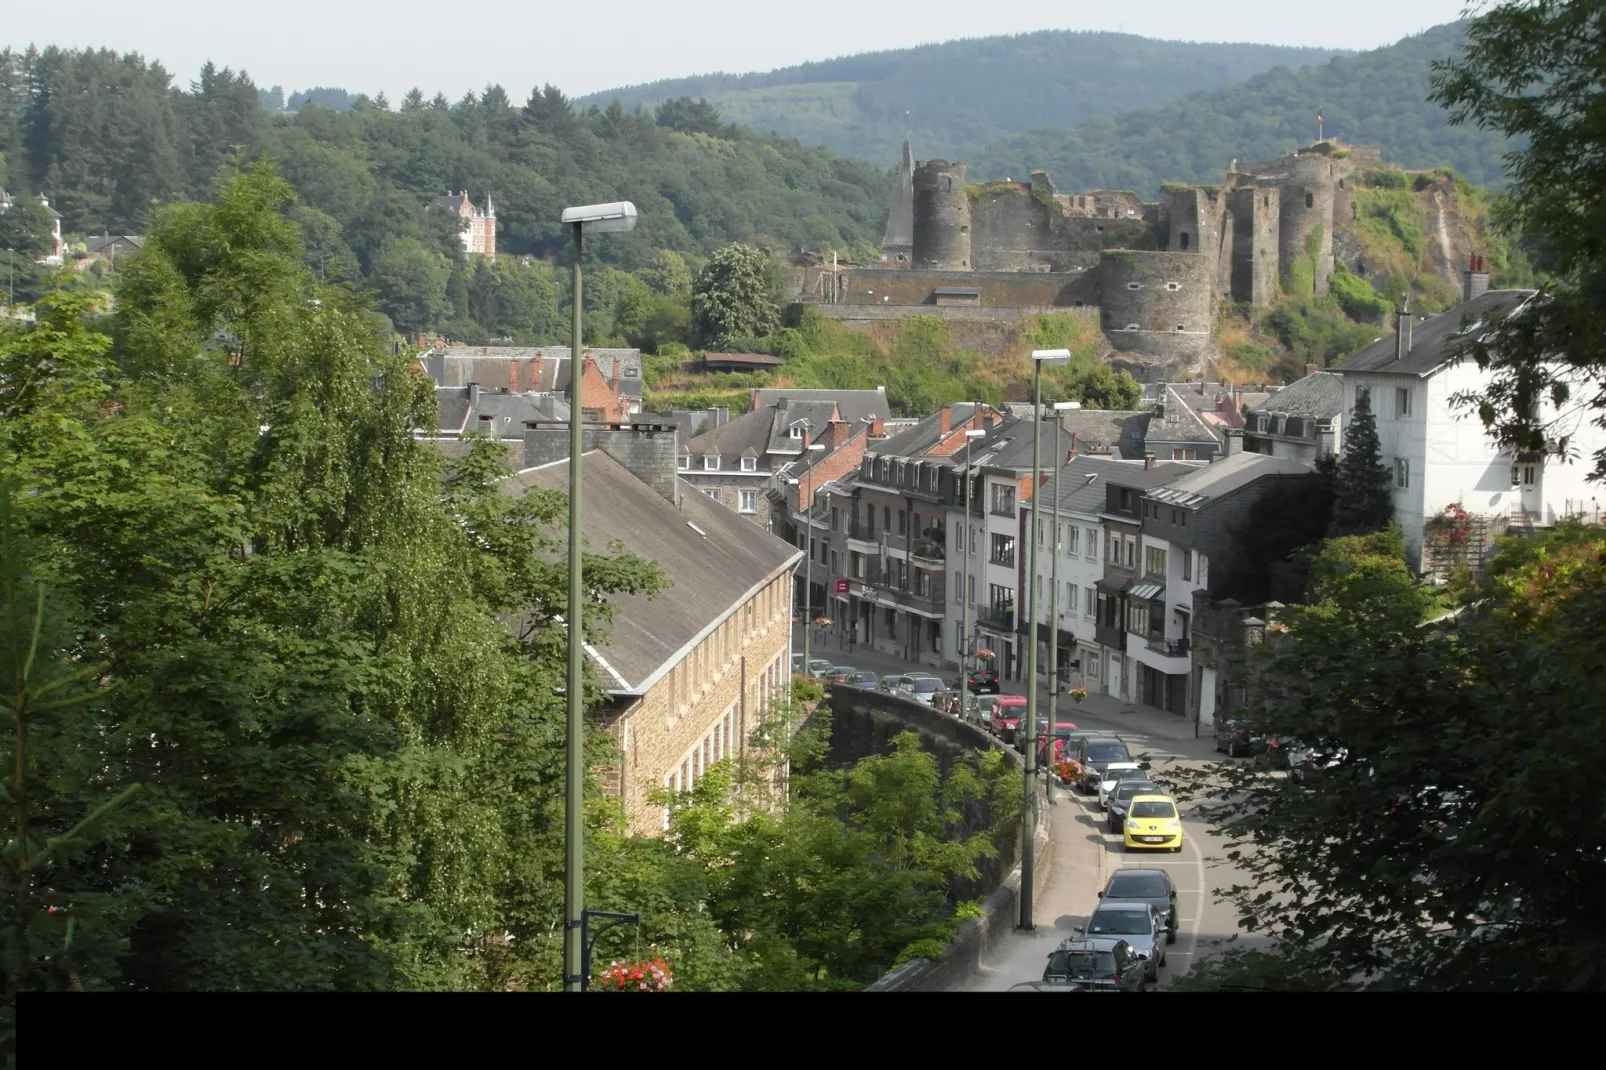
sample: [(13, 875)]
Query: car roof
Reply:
[(1090, 943), (1105, 739), (1154, 798), (1010, 700), (1135, 869), (1111, 906)]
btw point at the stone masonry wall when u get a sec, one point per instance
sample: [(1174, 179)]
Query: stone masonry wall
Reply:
[(941, 216), (1018, 228), (999, 289)]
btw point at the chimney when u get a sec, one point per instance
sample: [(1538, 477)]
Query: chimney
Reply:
[(649, 450), (473, 394), (1402, 329), (944, 416), (1311, 369), (808, 434), (1148, 461), (1068, 456), (1235, 441), (1475, 280), (877, 428)]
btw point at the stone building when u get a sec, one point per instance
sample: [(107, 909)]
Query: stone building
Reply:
[(610, 384), (1303, 421), (690, 671), (478, 232)]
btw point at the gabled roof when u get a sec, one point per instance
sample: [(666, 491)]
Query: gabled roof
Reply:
[(926, 434), (712, 558), (1080, 494), (751, 430), (1120, 432), (818, 413), (101, 241), (1212, 481), (508, 412), (1435, 339), (1181, 422), (854, 405), (1319, 395)]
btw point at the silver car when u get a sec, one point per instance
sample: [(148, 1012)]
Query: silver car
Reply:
[(919, 687), (1139, 924)]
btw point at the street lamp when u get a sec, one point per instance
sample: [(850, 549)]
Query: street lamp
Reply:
[(1028, 826), (965, 640), (601, 219), (807, 509), (1054, 599)]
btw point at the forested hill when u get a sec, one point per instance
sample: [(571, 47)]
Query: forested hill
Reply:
[(106, 136), (959, 95), (1377, 97)]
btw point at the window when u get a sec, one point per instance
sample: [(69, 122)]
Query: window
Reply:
[(1281, 424), (858, 566), (1363, 397), (749, 501), (710, 462), (1131, 551), (903, 523), (970, 588), (1187, 565), (1134, 286), (1182, 518), (1402, 472), (1126, 499), (1137, 617), (959, 594), (1184, 240), (1262, 422), (836, 562), (1522, 475), (1087, 601), (1310, 200), (923, 583), (1175, 286), (1003, 550), (715, 493), (1154, 561), (685, 462), (1092, 543), (749, 464), (1180, 454), (1003, 499), (1071, 539), (1070, 598), (1402, 401)]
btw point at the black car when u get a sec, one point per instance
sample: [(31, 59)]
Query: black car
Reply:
[(1152, 886), (1233, 739), (1098, 965), (1093, 753), (983, 680), (1115, 813)]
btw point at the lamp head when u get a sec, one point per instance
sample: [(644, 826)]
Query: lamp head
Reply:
[(603, 218), (1051, 356), (1066, 406), (975, 434)]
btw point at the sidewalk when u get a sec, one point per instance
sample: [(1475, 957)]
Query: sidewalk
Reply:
[(1099, 710)]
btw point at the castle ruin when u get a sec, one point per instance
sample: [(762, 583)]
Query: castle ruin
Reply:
[(1153, 272)]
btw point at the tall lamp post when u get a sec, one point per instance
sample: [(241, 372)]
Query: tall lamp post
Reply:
[(1028, 825), (807, 509), (599, 219), (1054, 602), (965, 641)]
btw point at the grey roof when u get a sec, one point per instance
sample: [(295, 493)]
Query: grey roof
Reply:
[(711, 557), (1434, 340), (854, 405), (1181, 422), (1079, 494), (1214, 480), (926, 433), (101, 241), (749, 431), (1120, 432), (1319, 395), (791, 411), (1140, 477), (455, 415), (492, 366)]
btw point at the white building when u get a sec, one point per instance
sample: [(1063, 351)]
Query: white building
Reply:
[(1439, 453)]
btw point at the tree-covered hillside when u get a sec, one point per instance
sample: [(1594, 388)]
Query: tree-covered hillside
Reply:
[(959, 95), (1377, 97)]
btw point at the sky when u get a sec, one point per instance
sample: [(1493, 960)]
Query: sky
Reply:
[(369, 45)]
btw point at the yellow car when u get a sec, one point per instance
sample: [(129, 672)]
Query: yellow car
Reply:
[(1152, 823)]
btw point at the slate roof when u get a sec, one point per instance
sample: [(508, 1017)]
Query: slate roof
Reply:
[(854, 405), (488, 366), (1222, 477), (508, 412), (1434, 340), (925, 434), (1078, 494), (1319, 395), (711, 557), (1119, 431), (782, 416), (1181, 422), (101, 241), (751, 430)]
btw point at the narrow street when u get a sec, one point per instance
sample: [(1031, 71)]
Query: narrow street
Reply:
[(1085, 854)]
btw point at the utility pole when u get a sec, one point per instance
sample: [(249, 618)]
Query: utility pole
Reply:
[(1054, 602), (965, 641)]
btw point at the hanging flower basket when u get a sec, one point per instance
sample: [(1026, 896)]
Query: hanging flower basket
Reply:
[(823, 622), (985, 654), (1067, 771), (653, 975), (1078, 693)]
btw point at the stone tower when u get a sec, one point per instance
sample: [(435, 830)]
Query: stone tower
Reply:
[(898, 246), (941, 217), (1306, 184)]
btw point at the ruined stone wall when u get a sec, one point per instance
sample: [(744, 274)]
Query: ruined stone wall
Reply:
[(1000, 289), (1157, 306), (1307, 185), (941, 216), (1254, 214), (993, 332), (1025, 229)]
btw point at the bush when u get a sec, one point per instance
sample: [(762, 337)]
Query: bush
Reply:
[(1357, 298), (805, 689), (1251, 355)]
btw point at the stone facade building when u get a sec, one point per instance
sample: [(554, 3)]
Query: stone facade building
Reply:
[(689, 672), (478, 227)]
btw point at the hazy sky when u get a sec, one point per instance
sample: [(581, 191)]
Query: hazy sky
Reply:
[(368, 45)]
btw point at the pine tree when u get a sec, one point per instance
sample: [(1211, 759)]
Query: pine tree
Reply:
[(1363, 502)]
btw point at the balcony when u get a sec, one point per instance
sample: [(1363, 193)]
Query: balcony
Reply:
[(928, 550), (996, 618), (1171, 648), (1003, 560)]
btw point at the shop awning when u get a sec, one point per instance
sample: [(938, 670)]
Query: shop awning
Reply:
[(1147, 591)]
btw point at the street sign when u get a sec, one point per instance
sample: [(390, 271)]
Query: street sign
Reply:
[(841, 586)]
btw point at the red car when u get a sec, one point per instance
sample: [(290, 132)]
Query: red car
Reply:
[(1062, 732), (1006, 716)]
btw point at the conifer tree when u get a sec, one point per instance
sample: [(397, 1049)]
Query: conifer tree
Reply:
[(1363, 501)]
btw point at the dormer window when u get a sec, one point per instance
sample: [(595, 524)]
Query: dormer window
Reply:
[(749, 464), (710, 462), (798, 428), (685, 462)]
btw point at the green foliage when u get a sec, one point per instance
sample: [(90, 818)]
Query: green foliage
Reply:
[(1272, 549), (1252, 355), (1376, 97), (1391, 216), (807, 689), (1315, 331), (1357, 298), (736, 295), (25, 229), (955, 94), (1363, 499)]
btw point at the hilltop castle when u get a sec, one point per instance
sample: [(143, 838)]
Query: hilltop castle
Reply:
[(1152, 271), (479, 229)]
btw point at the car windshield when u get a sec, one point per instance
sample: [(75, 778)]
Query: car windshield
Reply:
[(1107, 752), (1153, 809), (1137, 886), (864, 677), (930, 683), (1128, 788), (1119, 922), (1117, 774), (1082, 965)]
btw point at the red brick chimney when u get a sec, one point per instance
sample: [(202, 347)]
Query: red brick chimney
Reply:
[(806, 438), (1148, 461), (1071, 454), (1311, 369), (513, 376), (877, 428), (944, 416)]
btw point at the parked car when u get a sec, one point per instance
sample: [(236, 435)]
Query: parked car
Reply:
[(1093, 754), (1152, 823), (1113, 774), (1138, 924), (1311, 763), (946, 701), (981, 708), (797, 663), (1046, 986), (1005, 715), (919, 687), (1121, 798), (1097, 964), (1151, 886), (820, 668), (983, 680), (1065, 736), (867, 681), (1275, 753), (1234, 738), (840, 674)]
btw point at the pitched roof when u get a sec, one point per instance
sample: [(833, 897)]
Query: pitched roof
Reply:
[(1120, 432), (1079, 494), (854, 405), (1181, 422), (1319, 395), (1434, 340), (791, 411), (1140, 477), (455, 415), (488, 366), (1222, 477), (101, 241), (751, 430), (712, 558), (926, 433)]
